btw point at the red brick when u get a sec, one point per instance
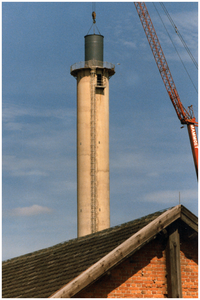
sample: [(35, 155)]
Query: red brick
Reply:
[(146, 278)]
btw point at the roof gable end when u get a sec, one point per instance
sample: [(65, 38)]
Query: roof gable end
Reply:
[(128, 247)]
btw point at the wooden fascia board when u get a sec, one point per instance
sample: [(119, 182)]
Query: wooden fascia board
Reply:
[(189, 218), (118, 254)]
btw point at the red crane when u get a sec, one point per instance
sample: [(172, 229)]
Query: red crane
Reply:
[(185, 116)]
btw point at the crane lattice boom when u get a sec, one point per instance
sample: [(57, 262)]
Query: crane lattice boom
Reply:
[(185, 116)]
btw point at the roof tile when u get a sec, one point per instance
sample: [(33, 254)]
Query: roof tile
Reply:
[(41, 273)]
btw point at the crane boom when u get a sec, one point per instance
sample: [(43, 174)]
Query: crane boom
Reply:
[(186, 117)]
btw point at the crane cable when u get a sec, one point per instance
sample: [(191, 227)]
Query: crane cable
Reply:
[(176, 50), (179, 35), (93, 6)]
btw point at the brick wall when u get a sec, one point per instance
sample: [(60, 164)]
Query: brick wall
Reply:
[(141, 276), (189, 269), (144, 275)]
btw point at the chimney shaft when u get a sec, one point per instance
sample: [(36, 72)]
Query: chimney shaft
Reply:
[(93, 191)]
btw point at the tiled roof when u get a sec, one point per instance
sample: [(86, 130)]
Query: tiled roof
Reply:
[(41, 273)]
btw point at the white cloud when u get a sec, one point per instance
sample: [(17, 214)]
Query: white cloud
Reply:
[(64, 186), (153, 165), (129, 44), (186, 20), (30, 211), (23, 166), (171, 196), (12, 116), (36, 166), (186, 23)]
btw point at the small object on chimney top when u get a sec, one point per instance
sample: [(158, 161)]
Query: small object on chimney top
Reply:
[(94, 17)]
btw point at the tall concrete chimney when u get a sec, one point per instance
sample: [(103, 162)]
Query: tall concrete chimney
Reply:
[(93, 191)]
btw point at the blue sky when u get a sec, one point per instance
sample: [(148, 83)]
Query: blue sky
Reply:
[(150, 156)]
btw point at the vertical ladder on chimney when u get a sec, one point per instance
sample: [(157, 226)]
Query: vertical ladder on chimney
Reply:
[(93, 152)]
